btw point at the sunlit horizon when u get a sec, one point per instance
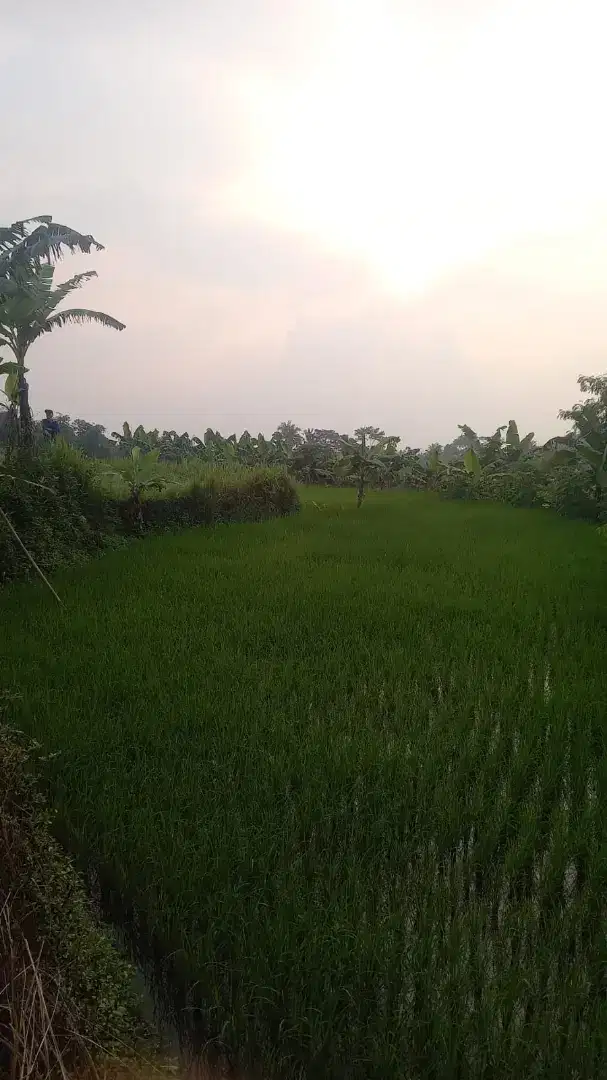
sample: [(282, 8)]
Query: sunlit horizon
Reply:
[(339, 211)]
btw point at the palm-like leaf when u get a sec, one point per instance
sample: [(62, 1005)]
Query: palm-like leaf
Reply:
[(10, 235), (559, 455), (512, 435), (493, 444), (472, 463), (471, 435), (592, 456), (11, 387), (587, 420), (79, 316), (25, 290), (28, 304), (434, 463), (9, 287), (526, 443), (20, 247), (62, 291), (558, 440)]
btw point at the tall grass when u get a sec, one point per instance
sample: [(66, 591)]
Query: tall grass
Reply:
[(349, 770), (179, 477), (61, 507)]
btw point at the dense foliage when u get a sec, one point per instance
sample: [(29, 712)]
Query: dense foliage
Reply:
[(64, 991), (571, 478), (349, 767), (567, 474), (65, 506)]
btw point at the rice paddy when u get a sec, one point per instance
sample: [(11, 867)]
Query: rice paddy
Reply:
[(348, 770)]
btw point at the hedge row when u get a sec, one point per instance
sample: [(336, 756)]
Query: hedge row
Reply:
[(570, 490), (63, 514)]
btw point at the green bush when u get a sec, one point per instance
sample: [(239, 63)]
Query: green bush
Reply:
[(456, 484), (64, 989), (521, 485), (568, 489), (65, 507), (571, 490), (56, 509), (253, 495)]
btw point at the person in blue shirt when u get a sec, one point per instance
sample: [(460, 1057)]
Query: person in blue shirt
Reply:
[(50, 427)]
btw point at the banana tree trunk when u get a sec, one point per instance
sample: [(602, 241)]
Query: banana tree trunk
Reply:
[(26, 427), (361, 476)]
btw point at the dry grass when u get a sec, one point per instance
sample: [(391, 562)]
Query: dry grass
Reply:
[(27, 1031)]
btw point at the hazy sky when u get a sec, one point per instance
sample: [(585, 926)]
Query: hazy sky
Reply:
[(331, 211)]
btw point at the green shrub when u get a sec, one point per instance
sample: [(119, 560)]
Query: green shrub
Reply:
[(54, 505), (253, 495), (456, 484), (64, 989), (520, 485), (571, 490)]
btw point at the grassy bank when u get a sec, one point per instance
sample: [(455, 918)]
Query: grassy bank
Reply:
[(352, 766), (65, 507)]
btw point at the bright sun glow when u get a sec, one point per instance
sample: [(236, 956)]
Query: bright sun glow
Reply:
[(422, 143)]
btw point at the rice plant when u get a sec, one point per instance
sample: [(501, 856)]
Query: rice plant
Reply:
[(344, 776)]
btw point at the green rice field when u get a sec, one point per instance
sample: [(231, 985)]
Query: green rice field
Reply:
[(348, 771)]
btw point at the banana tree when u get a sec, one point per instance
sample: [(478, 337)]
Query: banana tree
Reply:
[(173, 447), (590, 445), (487, 449), (433, 469), (214, 449), (129, 438), (495, 449), (472, 463), (140, 473), (514, 447), (29, 300), (22, 245), (363, 462), (310, 464), (392, 459), (279, 453), (289, 434), (476, 468), (245, 448), (433, 465)]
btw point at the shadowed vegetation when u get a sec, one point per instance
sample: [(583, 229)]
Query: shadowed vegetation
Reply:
[(348, 770)]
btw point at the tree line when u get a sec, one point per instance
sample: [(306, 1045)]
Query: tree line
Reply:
[(471, 465)]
